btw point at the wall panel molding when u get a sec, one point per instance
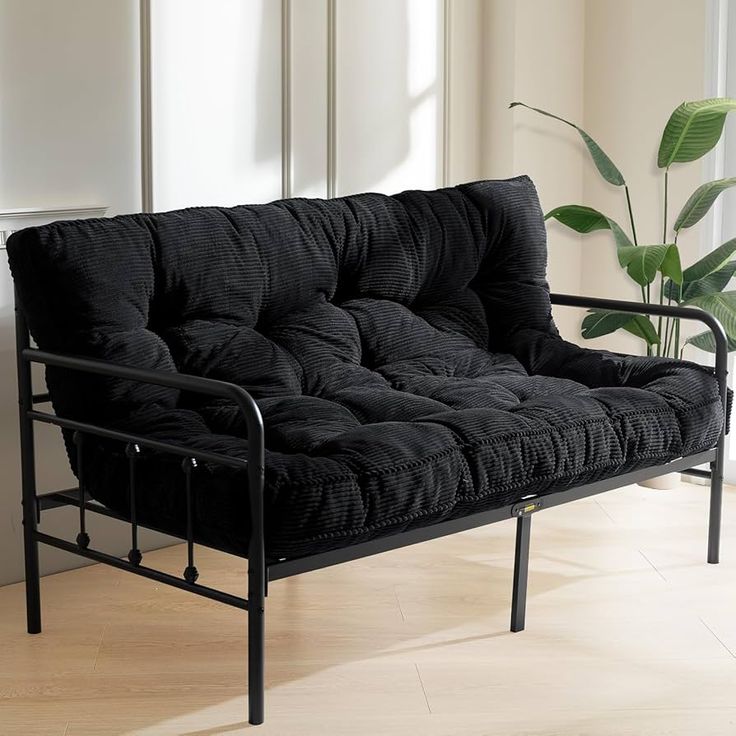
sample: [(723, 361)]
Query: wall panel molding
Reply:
[(146, 101), (217, 92), (286, 100), (309, 112), (318, 143), (331, 98), (446, 89)]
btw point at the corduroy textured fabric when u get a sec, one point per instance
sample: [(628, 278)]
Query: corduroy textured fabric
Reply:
[(401, 349)]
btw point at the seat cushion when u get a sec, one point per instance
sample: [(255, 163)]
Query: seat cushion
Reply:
[(401, 349), (432, 434)]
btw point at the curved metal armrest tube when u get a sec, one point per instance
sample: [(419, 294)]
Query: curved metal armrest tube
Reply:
[(181, 381), (195, 384), (662, 310)]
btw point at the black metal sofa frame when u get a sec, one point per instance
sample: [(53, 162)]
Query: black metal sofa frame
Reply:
[(261, 571)]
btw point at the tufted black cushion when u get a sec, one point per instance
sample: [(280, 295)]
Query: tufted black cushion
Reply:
[(401, 349)]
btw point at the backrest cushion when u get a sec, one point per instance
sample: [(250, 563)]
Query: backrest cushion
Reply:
[(259, 295)]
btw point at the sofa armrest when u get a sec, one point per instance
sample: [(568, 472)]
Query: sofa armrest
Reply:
[(183, 382), (662, 310)]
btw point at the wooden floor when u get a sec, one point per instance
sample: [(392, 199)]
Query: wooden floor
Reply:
[(629, 633)]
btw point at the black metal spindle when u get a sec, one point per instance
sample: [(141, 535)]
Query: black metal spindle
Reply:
[(82, 537), (133, 451), (190, 573)]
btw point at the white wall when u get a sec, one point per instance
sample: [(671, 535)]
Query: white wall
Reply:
[(221, 73), (534, 54), (659, 52), (69, 135), (617, 68), (389, 105), (308, 114), (69, 100), (216, 81)]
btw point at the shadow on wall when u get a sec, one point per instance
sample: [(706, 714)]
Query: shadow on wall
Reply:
[(373, 97), (388, 96), (387, 103), (69, 95), (264, 146)]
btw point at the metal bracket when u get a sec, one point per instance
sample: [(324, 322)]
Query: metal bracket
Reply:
[(525, 508)]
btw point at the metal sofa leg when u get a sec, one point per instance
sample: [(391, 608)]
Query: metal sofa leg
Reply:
[(256, 646), (33, 582), (257, 572), (521, 572), (256, 590), (716, 497), (28, 478), (30, 544)]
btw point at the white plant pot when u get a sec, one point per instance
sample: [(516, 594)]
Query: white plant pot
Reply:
[(662, 482)]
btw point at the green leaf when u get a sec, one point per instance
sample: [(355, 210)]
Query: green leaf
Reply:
[(643, 262), (599, 323), (692, 130), (706, 341), (580, 218), (710, 284), (621, 238), (671, 266), (722, 306), (641, 326), (608, 170), (583, 219), (671, 291), (700, 202), (711, 262), (603, 163)]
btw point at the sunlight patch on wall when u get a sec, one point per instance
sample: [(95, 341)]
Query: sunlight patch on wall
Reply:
[(216, 68)]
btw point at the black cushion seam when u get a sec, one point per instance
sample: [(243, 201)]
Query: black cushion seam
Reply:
[(354, 531)]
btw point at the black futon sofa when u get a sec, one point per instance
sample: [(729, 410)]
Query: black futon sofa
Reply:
[(307, 382)]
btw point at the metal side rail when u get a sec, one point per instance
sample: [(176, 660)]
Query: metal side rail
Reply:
[(32, 503), (721, 374)]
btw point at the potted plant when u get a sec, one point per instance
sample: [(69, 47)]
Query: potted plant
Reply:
[(692, 130)]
